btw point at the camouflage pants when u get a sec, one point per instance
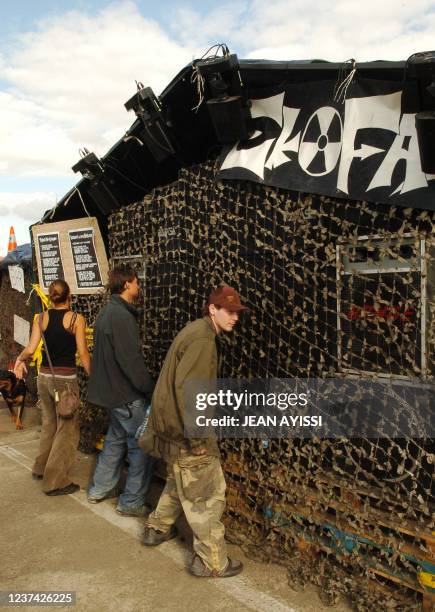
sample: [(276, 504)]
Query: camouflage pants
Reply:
[(196, 486)]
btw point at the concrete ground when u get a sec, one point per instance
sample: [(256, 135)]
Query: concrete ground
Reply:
[(65, 544)]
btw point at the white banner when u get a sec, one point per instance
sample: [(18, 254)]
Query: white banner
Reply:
[(16, 276), (363, 146), (21, 330)]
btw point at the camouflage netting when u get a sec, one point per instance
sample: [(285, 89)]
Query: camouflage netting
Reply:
[(93, 419), (13, 302), (345, 514)]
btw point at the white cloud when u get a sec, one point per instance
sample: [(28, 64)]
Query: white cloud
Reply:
[(26, 206), (68, 81), (305, 29), (202, 31), (21, 229), (21, 210)]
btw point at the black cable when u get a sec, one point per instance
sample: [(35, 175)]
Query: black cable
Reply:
[(141, 187), (219, 46), (156, 142)]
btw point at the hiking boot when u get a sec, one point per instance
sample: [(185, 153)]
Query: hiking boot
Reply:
[(71, 488), (198, 568), (140, 511), (154, 537)]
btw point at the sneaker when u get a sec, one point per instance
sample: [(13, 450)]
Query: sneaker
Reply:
[(97, 500), (71, 488), (199, 568), (139, 511), (154, 537)]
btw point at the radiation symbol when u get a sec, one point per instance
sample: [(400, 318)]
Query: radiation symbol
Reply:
[(320, 145)]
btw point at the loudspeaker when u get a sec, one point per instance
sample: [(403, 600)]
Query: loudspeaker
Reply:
[(155, 137), (425, 126), (230, 118), (103, 197), (154, 133)]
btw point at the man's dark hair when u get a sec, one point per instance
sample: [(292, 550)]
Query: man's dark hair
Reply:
[(118, 276)]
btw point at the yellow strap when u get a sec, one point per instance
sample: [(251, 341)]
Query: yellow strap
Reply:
[(89, 341), (90, 337), (100, 443), (36, 358), (44, 299), (427, 580)]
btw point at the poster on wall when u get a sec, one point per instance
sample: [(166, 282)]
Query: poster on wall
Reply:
[(50, 257), (16, 277), (85, 258), (21, 330), (73, 250), (359, 145)]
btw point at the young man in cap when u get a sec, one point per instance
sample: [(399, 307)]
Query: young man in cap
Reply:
[(195, 482)]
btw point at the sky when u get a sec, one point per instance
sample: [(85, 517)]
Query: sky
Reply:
[(67, 68)]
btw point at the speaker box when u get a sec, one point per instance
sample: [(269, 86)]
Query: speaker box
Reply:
[(425, 126), (229, 118)]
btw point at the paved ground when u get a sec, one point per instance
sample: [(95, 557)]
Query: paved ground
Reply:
[(64, 543)]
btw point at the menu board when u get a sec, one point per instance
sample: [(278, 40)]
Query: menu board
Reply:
[(85, 258), (73, 250), (51, 258)]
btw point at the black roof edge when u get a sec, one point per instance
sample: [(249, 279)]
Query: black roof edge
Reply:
[(316, 64), (82, 181), (61, 202), (245, 65), (179, 77)]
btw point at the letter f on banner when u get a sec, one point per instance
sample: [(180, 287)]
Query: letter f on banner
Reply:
[(381, 112)]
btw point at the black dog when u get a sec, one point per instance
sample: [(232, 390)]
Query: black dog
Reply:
[(14, 392)]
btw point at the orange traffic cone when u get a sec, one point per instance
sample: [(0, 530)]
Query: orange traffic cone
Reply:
[(12, 240)]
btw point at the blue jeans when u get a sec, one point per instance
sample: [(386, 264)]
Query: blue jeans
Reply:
[(120, 440)]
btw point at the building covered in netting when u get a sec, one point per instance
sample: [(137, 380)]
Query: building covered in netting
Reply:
[(320, 210), (17, 305)]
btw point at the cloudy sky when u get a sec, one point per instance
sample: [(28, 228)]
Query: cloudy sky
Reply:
[(66, 69)]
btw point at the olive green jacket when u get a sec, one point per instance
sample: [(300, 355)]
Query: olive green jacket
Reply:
[(192, 355)]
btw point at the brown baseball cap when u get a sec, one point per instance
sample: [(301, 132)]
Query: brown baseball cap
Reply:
[(226, 297)]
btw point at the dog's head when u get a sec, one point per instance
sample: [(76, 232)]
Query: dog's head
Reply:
[(7, 382), (11, 387)]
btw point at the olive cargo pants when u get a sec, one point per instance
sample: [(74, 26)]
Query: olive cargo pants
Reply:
[(195, 485), (59, 437)]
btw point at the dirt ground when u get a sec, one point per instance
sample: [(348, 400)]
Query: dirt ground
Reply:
[(65, 544)]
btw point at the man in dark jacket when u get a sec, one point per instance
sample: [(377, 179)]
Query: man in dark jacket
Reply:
[(121, 384), (195, 482)]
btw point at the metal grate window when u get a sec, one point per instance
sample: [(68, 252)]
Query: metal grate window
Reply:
[(381, 306)]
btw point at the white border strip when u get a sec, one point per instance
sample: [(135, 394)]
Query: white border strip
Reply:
[(237, 587)]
